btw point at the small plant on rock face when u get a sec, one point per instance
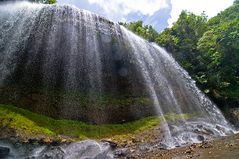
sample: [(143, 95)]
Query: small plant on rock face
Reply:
[(171, 117), (51, 1), (44, 1)]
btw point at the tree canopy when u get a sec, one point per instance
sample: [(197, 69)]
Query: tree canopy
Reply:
[(207, 49)]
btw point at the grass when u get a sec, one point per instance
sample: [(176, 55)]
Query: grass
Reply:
[(28, 122), (18, 122)]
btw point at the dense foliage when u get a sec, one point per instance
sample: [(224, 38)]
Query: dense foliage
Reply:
[(207, 49), (182, 38), (219, 51), (147, 31)]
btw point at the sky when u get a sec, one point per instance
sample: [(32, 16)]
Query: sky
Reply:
[(158, 13)]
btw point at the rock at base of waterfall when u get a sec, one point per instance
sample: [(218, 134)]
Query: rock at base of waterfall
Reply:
[(4, 151)]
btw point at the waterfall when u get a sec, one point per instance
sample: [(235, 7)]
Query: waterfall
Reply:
[(69, 63), (173, 90)]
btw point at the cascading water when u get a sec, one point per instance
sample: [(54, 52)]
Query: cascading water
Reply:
[(172, 90), (69, 63), (83, 150)]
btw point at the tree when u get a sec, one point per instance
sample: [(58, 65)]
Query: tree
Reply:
[(219, 51), (207, 49), (181, 40), (145, 31)]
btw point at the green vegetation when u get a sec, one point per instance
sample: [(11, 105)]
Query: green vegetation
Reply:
[(19, 122), (28, 122), (171, 117), (44, 1), (182, 38), (51, 1), (147, 31), (219, 50), (207, 49)]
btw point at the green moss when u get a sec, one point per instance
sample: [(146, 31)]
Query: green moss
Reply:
[(18, 122), (28, 122), (24, 120)]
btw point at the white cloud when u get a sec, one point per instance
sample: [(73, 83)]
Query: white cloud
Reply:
[(118, 9), (211, 7)]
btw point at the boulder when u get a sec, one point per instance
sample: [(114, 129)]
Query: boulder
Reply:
[(4, 152)]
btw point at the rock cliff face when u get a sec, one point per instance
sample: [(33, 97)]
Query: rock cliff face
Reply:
[(68, 63)]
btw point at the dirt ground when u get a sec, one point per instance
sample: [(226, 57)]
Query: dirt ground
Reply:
[(145, 146)]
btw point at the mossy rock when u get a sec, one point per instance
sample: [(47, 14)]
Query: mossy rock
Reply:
[(31, 124)]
